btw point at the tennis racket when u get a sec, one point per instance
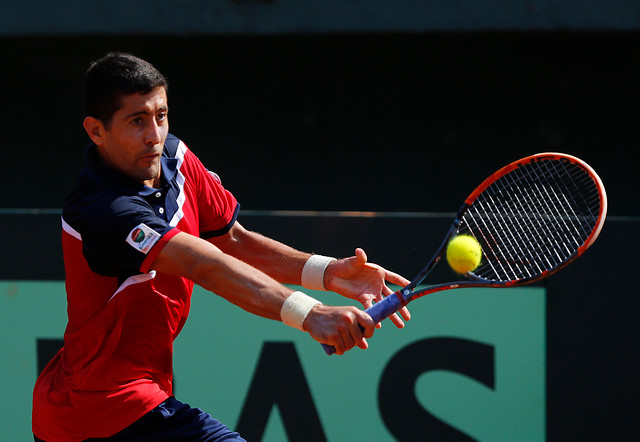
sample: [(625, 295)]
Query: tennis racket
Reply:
[(531, 218)]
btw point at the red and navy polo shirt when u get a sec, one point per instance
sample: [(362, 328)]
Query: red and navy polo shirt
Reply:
[(123, 316)]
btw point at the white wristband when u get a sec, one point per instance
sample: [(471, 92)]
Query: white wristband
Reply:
[(313, 272), (295, 308)]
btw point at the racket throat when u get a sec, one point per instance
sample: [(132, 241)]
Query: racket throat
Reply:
[(403, 296)]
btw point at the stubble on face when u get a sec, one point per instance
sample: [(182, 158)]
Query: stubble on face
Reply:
[(148, 173)]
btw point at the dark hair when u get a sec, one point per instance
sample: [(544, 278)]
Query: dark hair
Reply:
[(114, 75)]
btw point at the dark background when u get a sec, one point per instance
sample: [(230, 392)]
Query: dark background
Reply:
[(370, 122), (382, 122)]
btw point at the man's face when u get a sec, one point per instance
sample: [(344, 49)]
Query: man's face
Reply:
[(134, 140)]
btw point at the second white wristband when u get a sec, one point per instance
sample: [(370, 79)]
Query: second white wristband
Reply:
[(313, 272), (296, 308)]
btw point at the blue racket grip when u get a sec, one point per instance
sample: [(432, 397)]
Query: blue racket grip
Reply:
[(378, 312)]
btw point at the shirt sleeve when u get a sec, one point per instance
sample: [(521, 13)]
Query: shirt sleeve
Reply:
[(217, 207), (118, 235)]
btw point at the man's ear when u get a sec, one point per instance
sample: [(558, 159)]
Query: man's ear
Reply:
[(95, 129)]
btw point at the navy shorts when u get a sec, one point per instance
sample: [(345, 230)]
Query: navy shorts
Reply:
[(174, 421)]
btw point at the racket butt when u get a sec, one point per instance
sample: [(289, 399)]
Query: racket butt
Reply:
[(328, 349)]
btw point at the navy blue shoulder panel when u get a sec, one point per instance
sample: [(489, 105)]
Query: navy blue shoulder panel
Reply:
[(105, 218), (171, 146)]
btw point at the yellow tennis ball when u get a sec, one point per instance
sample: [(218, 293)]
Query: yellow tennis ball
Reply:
[(464, 253)]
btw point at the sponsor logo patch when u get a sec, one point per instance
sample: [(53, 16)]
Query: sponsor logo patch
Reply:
[(142, 238)]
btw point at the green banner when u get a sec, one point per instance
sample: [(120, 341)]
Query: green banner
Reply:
[(471, 363)]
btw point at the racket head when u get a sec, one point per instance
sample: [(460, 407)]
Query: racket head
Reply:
[(533, 217)]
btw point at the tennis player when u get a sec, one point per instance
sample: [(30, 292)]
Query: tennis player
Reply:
[(147, 221)]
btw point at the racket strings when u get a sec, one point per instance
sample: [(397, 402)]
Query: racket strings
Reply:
[(511, 237), (532, 219)]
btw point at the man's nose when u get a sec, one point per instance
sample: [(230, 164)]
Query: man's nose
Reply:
[(153, 133)]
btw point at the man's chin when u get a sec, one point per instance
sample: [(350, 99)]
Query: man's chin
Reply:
[(143, 176)]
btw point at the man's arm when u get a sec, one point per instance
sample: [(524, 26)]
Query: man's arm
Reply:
[(278, 260), (256, 292), (352, 277)]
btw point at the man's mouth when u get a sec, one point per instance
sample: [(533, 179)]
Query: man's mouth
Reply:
[(150, 157)]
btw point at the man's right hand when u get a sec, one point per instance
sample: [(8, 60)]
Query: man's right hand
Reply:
[(339, 326)]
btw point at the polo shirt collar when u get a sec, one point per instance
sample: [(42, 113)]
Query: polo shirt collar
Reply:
[(102, 174)]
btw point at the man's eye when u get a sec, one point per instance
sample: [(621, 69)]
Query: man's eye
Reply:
[(136, 121), (162, 116)]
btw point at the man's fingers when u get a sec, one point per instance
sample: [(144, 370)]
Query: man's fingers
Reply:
[(341, 327), (365, 324), (339, 346), (368, 303), (396, 279), (396, 320), (361, 256)]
